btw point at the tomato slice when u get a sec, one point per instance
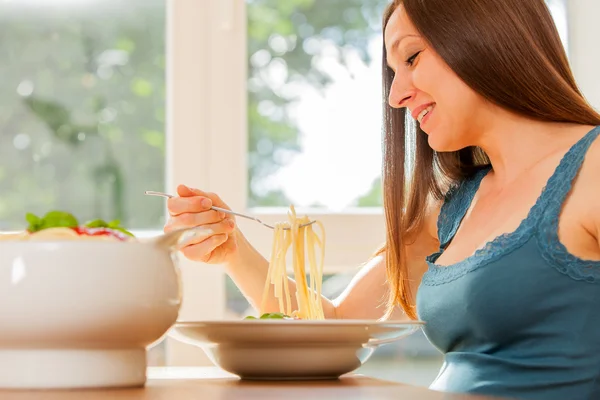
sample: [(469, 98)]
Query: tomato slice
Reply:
[(83, 230)]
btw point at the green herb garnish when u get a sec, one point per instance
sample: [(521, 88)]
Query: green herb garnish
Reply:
[(96, 223), (52, 219), (115, 225), (61, 219), (270, 316)]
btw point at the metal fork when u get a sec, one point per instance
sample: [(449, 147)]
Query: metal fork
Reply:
[(223, 210)]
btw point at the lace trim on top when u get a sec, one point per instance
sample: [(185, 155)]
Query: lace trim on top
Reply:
[(551, 248), (456, 204), (547, 205)]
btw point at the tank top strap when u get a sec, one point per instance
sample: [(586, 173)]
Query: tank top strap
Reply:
[(551, 203), (456, 204), (560, 183)]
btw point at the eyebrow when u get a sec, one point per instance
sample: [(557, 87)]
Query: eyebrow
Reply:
[(396, 42)]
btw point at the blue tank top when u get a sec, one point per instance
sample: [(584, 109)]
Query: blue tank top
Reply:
[(520, 318)]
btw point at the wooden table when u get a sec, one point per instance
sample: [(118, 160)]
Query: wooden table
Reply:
[(210, 383)]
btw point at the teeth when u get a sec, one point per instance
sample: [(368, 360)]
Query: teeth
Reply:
[(424, 113)]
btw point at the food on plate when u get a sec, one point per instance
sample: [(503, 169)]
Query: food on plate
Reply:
[(302, 240), (272, 316), (60, 225)]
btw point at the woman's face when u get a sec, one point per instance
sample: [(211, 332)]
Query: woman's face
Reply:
[(447, 109)]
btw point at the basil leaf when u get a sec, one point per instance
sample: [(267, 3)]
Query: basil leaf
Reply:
[(34, 222), (123, 230), (273, 316), (59, 219), (114, 225), (96, 223), (269, 316)]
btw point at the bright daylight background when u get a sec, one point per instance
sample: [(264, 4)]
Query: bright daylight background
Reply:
[(83, 118)]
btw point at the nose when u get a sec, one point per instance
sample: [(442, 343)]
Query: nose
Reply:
[(401, 92)]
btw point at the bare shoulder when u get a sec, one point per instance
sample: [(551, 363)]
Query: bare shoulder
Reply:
[(586, 191)]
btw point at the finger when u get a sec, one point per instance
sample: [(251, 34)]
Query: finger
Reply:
[(202, 251), (186, 191), (192, 220), (202, 233), (195, 204)]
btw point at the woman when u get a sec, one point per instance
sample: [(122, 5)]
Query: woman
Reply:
[(498, 227)]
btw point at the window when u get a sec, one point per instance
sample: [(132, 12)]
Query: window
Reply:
[(314, 103), (558, 8), (83, 110)]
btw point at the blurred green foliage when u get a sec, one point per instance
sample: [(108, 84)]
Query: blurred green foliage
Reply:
[(293, 34), (82, 110), (82, 100)]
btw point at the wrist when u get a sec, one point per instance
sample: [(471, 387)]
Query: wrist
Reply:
[(241, 254)]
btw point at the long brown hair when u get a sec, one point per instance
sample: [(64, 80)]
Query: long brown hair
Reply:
[(510, 53)]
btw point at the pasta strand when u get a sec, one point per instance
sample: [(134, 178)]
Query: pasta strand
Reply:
[(303, 241)]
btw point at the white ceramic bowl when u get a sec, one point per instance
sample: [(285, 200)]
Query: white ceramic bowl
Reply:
[(288, 349), (80, 314)]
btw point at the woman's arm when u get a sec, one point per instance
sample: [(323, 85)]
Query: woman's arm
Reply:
[(220, 242), (365, 296)]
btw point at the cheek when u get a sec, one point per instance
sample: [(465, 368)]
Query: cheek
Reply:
[(439, 84), (456, 104), (462, 110), (427, 80), (455, 101)]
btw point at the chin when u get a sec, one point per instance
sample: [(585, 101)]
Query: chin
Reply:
[(437, 143), (440, 143)]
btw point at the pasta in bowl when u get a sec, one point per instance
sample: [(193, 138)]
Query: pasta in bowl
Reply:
[(292, 343), (81, 303)]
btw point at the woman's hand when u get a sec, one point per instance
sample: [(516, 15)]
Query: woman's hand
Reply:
[(216, 241)]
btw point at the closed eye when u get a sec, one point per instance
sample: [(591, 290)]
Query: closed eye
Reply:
[(410, 61)]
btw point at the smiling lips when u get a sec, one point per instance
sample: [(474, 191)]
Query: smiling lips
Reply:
[(420, 112)]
